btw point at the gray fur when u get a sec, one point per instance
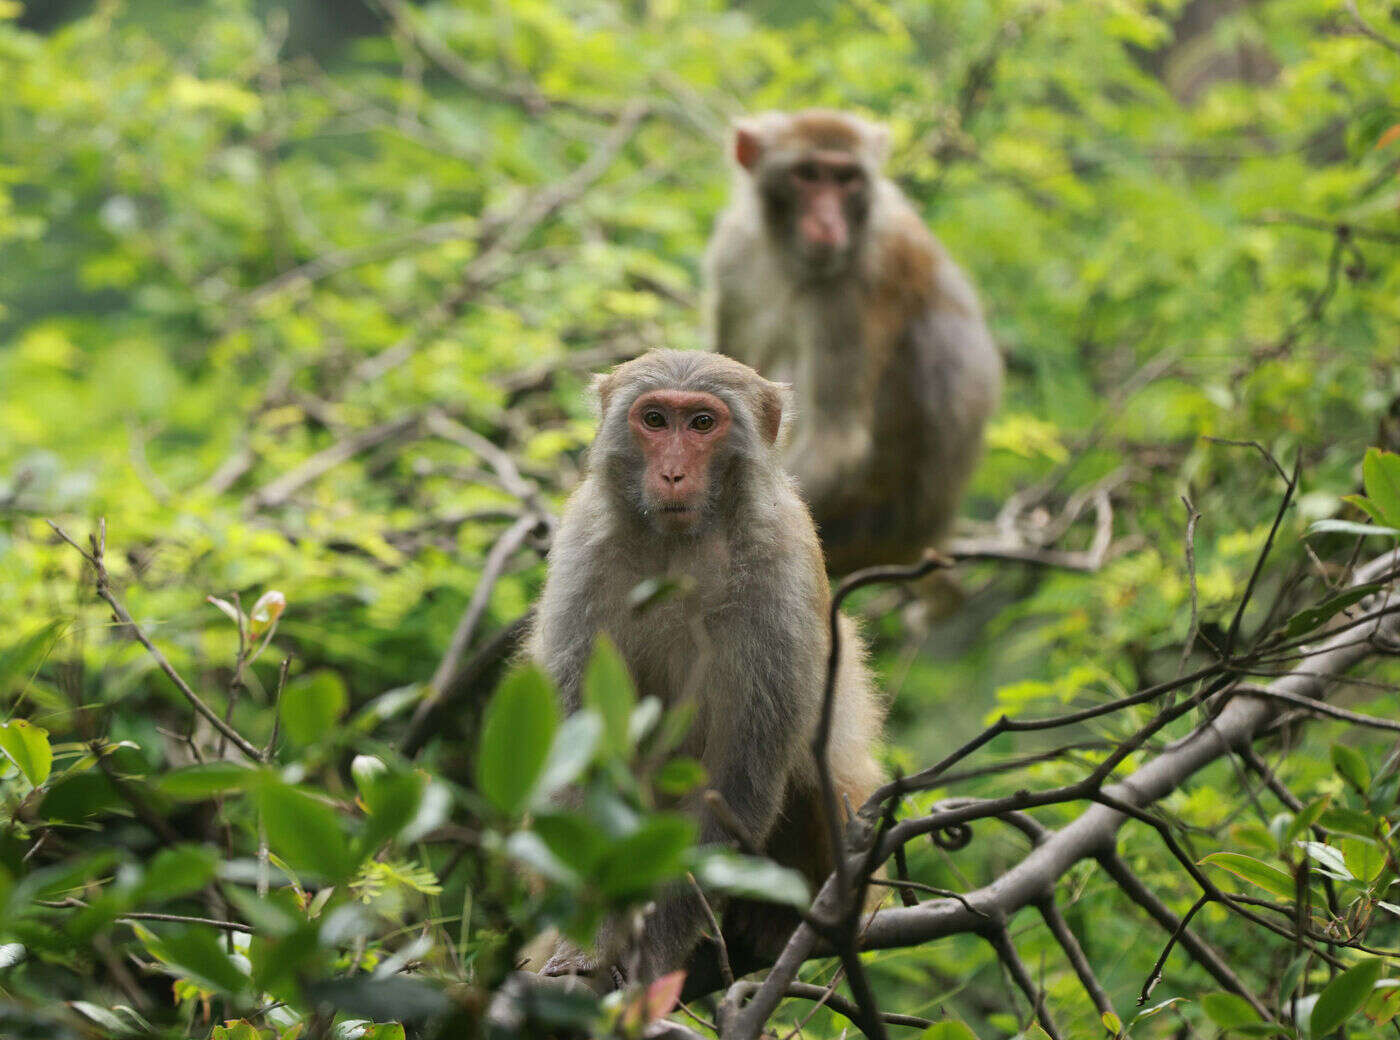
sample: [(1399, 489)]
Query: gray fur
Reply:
[(747, 642)]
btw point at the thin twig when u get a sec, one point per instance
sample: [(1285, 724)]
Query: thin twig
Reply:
[(104, 590)]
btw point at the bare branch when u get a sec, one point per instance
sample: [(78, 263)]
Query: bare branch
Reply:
[(279, 491), (104, 590)]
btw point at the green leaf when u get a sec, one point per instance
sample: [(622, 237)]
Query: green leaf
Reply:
[(653, 854), (575, 840), (1111, 1022), (1351, 767), (1304, 818), (1344, 995), (679, 776), (1350, 527), (570, 753), (312, 705), (1329, 859), (1267, 877), (753, 878), (198, 955), (21, 660), (27, 746), (1368, 507), (1307, 620), (607, 689), (1365, 859), (196, 783), (305, 832), (178, 871), (947, 1031), (240, 1030), (516, 736), (1228, 1010), (77, 796), (393, 798), (1380, 473)]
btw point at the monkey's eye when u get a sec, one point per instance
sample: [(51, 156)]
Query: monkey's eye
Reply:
[(653, 419), (704, 422), (808, 172), (847, 175)]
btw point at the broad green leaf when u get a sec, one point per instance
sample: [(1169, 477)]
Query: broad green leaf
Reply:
[(655, 853), (1350, 527), (1380, 473), (393, 798), (753, 878), (1365, 859), (1228, 1010), (1368, 507), (198, 954), (679, 776), (516, 736), (947, 1031), (1351, 767), (571, 837), (1344, 995), (1111, 1022), (27, 746), (305, 832), (74, 797), (198, 782), (1307, 620), (1348, 821), (1267, 877), (1330, 859), (1304, 818), (21, 660), (178, 871), (312, 705), (607, 689), (240, 1030), (570, 753)]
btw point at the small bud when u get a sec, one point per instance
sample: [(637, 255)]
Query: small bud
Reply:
[(266, 611), (224, 605)]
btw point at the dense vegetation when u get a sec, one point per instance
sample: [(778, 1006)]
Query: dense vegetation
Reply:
[(296, 312)]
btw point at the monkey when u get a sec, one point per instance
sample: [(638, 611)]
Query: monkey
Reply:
[(684, 480), (820, 273)]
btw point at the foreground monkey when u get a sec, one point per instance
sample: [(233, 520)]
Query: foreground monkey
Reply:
[(684, 480), (823, 275)]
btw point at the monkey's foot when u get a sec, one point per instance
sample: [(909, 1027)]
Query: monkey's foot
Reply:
[(570, 960)]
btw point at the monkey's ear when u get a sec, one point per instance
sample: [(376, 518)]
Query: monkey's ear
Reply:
[(748, 144), (772, 401), (601, 388), (877, 140)]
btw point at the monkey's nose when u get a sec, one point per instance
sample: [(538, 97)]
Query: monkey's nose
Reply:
[(673, 479)]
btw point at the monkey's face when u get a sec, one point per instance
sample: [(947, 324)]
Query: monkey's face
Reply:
[(818, 202), (680, 434)]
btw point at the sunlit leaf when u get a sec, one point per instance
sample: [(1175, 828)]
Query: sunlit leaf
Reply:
[(1344, 995)]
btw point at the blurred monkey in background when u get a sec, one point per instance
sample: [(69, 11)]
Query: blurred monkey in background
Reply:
[(822, 275)]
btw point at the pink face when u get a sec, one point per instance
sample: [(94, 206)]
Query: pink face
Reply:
[(678, 431), (824, 183)]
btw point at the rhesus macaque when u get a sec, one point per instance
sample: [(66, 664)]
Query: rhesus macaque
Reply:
[(684, 480), (822, 275)]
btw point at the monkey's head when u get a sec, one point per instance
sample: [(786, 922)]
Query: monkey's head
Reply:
[(814, 173), (684, 436)]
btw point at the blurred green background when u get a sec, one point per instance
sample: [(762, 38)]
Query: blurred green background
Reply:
[(247, 248)]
